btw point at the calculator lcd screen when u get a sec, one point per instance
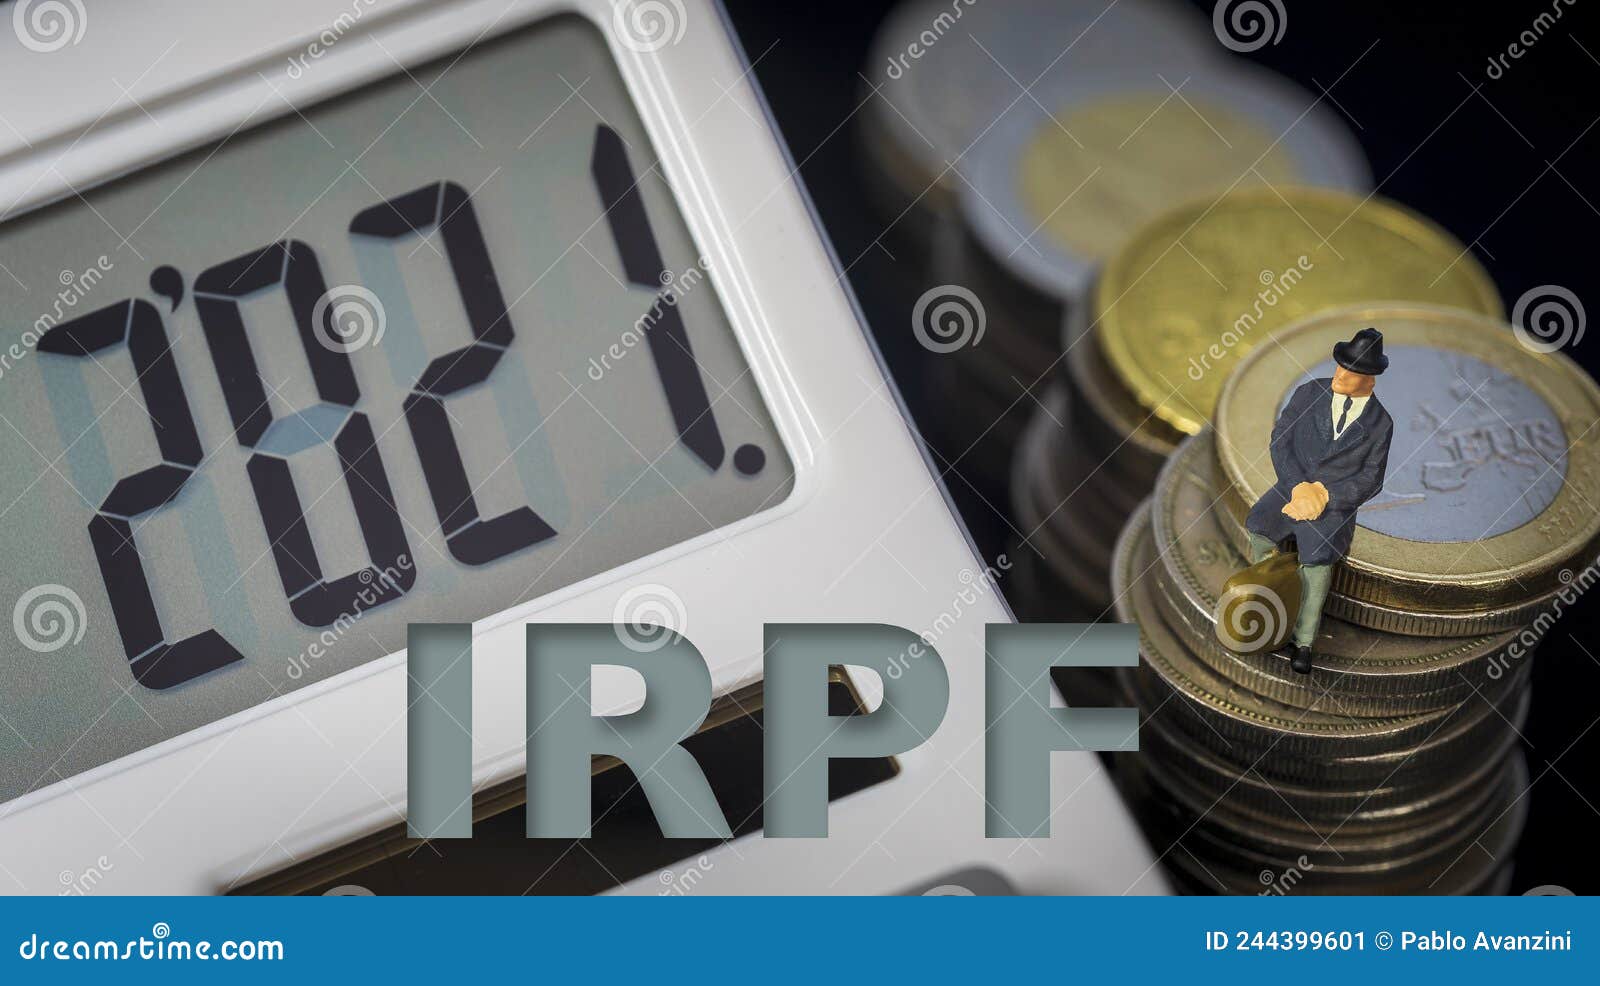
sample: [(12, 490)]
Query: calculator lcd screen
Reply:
[(430, 350)]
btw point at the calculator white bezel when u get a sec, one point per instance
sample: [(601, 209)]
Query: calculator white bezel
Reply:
[(783, 297)]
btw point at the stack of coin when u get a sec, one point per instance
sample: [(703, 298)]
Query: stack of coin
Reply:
[(947, 75), (1394, 766), (1060, 181), (943, 72), (1173, 312)]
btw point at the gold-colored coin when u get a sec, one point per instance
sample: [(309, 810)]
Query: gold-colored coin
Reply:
[(1493, 471), (1077, 552), (1213, 865), (1196, 290), (1114, 423), (1364, 672), (1447, 865), (1378, 803), (1224, 713), (1409, 621), (1144, 152), (1283, 832)]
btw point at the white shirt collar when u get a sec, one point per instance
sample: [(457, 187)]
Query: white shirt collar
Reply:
[(1357, 405)]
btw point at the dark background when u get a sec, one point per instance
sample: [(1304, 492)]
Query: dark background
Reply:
[(1507, 165)]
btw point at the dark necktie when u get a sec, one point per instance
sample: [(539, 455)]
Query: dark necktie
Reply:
[(1338, 429)]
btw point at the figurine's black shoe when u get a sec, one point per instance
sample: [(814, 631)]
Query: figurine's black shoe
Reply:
[(1301, 660)]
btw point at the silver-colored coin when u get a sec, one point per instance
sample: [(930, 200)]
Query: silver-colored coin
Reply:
[(1377, 804), (1515, 617), (1135, 443), (940, 73), (1460, 737), (1073, 560), (1121, 173), (957, 259), (1362, 671), (1036, 595), (1234, 714), (1286, 835), (1304, 746), (1462, 865), (1076, 549)]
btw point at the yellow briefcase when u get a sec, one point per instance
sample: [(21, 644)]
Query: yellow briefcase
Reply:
[(1257, 609)]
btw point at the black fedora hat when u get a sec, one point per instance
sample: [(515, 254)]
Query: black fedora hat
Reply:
[(1363, 353)]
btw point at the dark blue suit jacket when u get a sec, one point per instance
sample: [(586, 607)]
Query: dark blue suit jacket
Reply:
[(1304, 451)]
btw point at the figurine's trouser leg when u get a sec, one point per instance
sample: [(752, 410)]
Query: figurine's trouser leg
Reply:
[(1315, 580), (1260, 547)]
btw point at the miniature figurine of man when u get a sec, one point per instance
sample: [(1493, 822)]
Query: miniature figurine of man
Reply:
[(1330, 447)]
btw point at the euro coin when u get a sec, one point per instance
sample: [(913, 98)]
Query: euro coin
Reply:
[(1214, 710), (1362, 671), (1059, 183), (1193, 292), (1493, 470), (1458, 864), (1383, 802), (1058, 520), (941, 73), (1133, 442)]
